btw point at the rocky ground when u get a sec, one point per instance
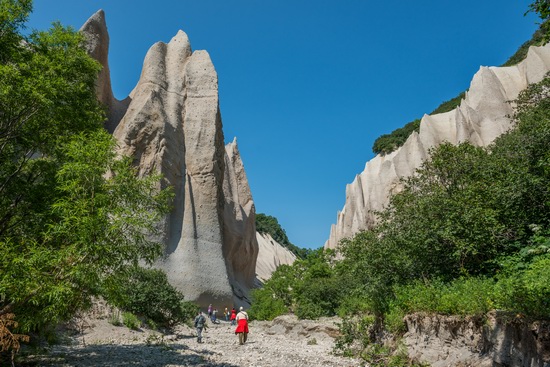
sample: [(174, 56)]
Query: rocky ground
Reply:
[(284, 341)]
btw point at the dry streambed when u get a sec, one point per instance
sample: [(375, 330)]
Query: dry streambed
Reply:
[(284, 341)]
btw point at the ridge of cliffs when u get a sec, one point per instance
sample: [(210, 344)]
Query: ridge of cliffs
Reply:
[(483, 114), (171, 124)]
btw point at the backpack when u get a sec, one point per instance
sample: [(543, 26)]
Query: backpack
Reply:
[(199, 321)]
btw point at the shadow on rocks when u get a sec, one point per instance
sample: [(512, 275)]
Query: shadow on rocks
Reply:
[(134, 355)]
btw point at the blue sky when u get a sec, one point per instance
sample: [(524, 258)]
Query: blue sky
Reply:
[(307, 86)]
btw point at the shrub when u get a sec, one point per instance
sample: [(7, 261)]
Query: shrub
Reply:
[(131, 321), (393, 321), (527, 291), (357, 332), (265, 306), (146, 292), (463, 296)]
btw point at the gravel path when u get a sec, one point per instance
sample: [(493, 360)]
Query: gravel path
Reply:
[(284, 341)]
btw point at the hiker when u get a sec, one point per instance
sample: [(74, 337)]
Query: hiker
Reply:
[(215, 316), (200, 322), (226, 314), (233, 316), (210, 311), (242, 325)]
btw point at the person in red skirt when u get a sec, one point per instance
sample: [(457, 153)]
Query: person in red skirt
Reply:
[(242, 325)]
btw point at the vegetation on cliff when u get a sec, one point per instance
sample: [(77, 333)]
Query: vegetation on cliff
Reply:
[(387, 143), (270, 225)]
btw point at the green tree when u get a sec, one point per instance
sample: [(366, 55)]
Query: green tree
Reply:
[(276, 296), (71, 212)]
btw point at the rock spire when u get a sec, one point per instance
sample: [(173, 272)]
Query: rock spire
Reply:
[(171, 124)]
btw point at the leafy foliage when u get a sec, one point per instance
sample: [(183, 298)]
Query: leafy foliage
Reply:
[(270, 225), (387, 143), (307, 288), (449, 105), (463, 296), (542, 8), (147, 293), (131, 321), (71, 212)]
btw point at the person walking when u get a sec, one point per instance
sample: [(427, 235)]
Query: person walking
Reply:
[(242, 325), (200, 322), (233, 316)]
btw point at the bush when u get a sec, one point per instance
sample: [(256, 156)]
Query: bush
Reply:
[(131, 321), (528, 291), (317, 297), (146, 292), (464, 296), (394, 321), (265, 306), (357, 333)]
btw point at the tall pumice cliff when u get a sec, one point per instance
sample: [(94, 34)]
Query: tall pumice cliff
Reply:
[(482, 116), (272, 255), (171, 123)]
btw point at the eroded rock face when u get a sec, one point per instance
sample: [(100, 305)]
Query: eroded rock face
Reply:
[(271, 255), (240, 246), (497, 340), (171, 124), (482, 116), (97, 46)]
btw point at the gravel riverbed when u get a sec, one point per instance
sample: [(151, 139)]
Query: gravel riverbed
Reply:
[(285, 341)]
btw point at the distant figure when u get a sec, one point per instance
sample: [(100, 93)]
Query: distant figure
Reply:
[(233, 316), (214, 316), (242, 326), (210, 311), (200, 322), (226, 314)]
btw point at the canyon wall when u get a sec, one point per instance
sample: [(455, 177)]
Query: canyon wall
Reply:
[(171, 124), (481, 117)]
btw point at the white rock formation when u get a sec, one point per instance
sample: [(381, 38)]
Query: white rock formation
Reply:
[(481, 117), (271, 255), (171, 124), (240, 247)]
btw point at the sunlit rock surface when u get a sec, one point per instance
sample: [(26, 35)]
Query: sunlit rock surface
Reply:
[(171, 124), (271, 256), (482, 116)]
